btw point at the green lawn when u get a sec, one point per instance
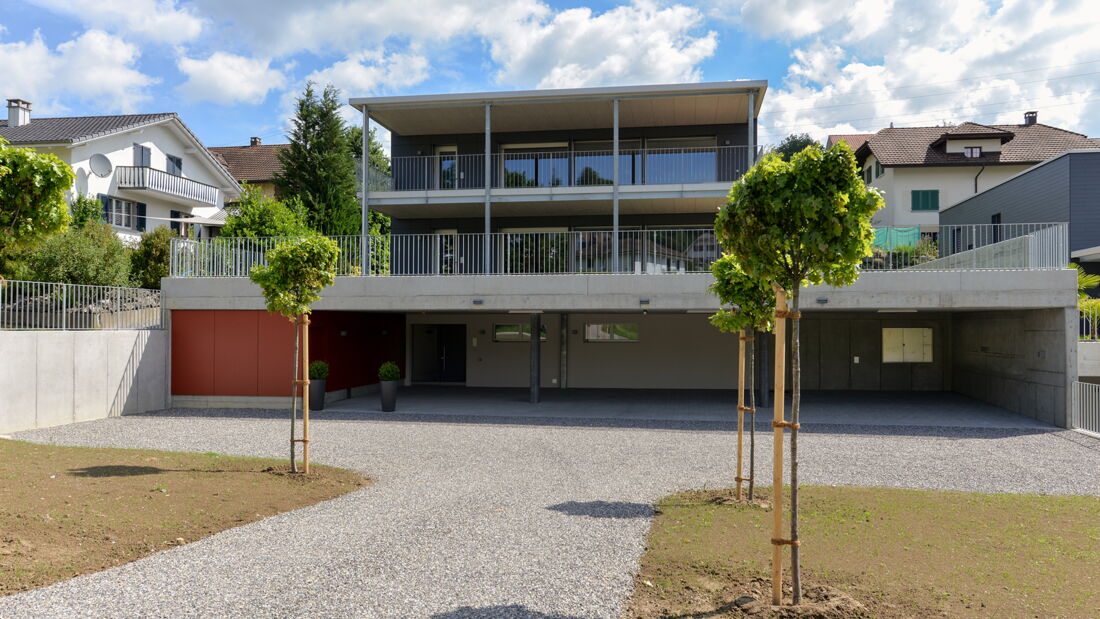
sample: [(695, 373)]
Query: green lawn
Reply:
[(901, 553)]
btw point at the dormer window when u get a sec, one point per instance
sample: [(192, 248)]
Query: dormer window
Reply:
[(972, 151)]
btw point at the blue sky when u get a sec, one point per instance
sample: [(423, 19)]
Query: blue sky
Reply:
[(231, 68)]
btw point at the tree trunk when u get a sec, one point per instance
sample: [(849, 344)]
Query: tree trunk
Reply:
[(294, 398), (796, 400), (752, 410)]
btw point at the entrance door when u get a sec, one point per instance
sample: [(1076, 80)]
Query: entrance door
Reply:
[(439, 354), (446, 167)]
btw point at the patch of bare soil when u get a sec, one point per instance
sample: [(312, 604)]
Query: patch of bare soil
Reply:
[(66, 511)]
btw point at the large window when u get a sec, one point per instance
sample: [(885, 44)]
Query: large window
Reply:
[(611, 332), (906, 345), (535, 165), (681, 160), (120, 213), (926, 199), (516, 333), (594, 163)]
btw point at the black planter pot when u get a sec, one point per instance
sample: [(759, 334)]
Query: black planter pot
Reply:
[(389, 395), (317, 393)]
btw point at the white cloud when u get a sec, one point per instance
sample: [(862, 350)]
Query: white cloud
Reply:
[(94, 67), (941, 61), (636, 43), (369, 71), (228, 79), (155, 20)]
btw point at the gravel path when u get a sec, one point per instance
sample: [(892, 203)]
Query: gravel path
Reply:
[(474, 517)]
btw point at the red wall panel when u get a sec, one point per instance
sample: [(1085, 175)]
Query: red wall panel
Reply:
[(250, 353), (192, 353)]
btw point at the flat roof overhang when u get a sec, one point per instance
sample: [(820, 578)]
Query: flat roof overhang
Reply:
[(666, 105)]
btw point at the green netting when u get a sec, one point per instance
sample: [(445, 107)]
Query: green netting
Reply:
[(890, 238)]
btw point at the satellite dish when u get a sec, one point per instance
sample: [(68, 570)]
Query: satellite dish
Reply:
[(100, 165)]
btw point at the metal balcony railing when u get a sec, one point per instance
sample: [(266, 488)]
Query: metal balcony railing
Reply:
[(525, 253), (143, 177), (674, 250), (70, 307), (564, 168)]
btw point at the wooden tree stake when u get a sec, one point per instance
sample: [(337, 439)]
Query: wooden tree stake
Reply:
[(305, 392), (740, 406), (778, 423)]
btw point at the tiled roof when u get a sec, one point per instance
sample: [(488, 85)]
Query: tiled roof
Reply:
[(75, 128), (854, 140), (251, 163), (969, 128), (922, 146)]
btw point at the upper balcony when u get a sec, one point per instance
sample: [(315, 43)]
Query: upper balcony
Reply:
[(153, 183)]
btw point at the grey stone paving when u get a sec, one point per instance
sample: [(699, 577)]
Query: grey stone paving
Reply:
[(493, 516)]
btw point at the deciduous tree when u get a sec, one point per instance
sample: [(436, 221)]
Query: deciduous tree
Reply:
[(255, 215), (296, 272), (32, 198), (795, 223)]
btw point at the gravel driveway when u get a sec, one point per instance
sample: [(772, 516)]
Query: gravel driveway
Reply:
[(480, 517)]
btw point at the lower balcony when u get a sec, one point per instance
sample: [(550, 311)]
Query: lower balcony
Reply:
[(643, 252), (155, 183)]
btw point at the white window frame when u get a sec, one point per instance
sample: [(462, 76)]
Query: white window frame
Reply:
[(122, 213), (972, 152)]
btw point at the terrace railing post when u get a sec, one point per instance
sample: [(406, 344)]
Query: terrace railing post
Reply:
[(615, 186), (364, 229), (487, 259)]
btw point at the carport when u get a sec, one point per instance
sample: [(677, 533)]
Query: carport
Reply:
[(845, 408)]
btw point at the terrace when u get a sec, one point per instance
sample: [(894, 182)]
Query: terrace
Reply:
[(1039, 246)]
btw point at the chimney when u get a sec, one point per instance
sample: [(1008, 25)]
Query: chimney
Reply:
[(255, 142), (1030, 118), (19, 112)]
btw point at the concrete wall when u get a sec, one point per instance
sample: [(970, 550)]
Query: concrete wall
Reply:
[(921, 290), (50, 378), (843, 351), (1024, 361), (1088, 360)]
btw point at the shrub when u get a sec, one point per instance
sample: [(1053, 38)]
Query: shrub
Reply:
[(318, 370), (256, 215), (91, 255), (150, 261), (389, 371), (86, 210)]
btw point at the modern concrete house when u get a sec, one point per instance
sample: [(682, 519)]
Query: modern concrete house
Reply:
[(561, 239), (148, 170), (923, 170)]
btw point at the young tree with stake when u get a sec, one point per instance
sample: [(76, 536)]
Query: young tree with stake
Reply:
[(751, 305), (292, 280), (794, 223)]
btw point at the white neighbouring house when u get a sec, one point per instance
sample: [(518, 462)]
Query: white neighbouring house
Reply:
[(148, 170), (923, 170)]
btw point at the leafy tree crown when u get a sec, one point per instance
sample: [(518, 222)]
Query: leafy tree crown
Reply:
[(751, 301), (91, 255), (795, 143), (256, 215), (803, 221), (150, 261), (296, 272), (32, 196)]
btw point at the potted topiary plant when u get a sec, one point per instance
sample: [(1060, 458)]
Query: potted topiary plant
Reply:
[(388, 375), (318, 377)]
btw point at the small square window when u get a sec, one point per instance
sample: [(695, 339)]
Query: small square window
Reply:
[(972, 151)]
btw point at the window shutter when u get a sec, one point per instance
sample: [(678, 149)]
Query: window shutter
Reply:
[(175, 224), (103, 199), (139, 216), (137, 154)]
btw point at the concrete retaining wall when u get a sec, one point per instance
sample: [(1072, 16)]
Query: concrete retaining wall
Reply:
[(1024, 361), (1088, 360), (50, 378)]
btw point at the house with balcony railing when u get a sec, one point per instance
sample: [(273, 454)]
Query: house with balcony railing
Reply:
[(147, 170), (562, 239)]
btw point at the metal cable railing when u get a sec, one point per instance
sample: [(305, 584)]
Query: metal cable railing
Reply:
[(28, 305)]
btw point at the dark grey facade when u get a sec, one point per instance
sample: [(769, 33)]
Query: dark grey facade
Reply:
[(1063, 189)]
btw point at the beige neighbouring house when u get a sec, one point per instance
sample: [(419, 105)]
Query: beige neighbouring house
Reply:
[(923, 170), (256, 164)]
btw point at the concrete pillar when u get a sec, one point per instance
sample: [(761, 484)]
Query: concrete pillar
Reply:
[(488, 182), (364, 231), (751, 122), (563, 370), (615, 186), (536, 341)]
